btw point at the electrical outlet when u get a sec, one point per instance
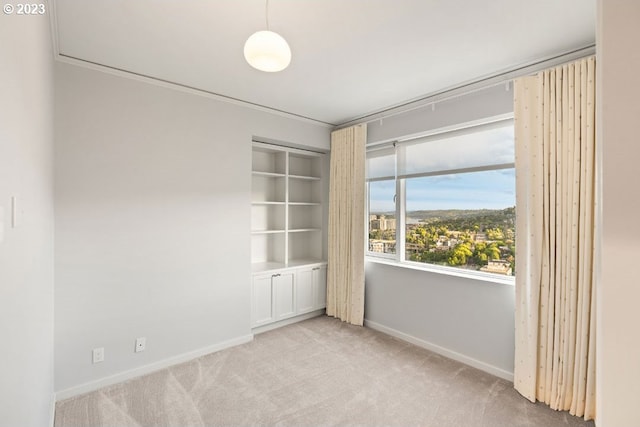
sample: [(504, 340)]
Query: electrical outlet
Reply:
[(98, 355), (141, 344)]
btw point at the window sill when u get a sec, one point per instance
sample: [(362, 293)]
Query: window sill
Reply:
[(480, 276)]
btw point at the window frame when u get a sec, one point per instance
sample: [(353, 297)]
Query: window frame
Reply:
[(381, 255), (399, 258)]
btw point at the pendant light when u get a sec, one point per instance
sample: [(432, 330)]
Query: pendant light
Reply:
[(266, 50)]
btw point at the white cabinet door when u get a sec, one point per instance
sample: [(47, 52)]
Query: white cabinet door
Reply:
[(278, 296), (305, 295), (284, 295), (262, 303), (320, 286)]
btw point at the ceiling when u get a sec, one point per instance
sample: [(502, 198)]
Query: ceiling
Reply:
[(350, 57)]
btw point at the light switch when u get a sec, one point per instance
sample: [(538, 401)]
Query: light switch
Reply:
[(1, 224), (14, 212)]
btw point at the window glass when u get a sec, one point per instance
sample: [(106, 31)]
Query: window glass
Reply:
[(381, 164), (486, 147), (464, 220), (382, 217), (456, 195)]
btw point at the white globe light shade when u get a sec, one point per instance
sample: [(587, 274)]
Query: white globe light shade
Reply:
[(267, 51)]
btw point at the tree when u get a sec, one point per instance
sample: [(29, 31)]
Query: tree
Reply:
[(492, 251), (495, 234), (460, 254), (435, 257)]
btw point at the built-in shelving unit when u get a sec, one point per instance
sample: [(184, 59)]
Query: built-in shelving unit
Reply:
[(287, 207), (289, 271)]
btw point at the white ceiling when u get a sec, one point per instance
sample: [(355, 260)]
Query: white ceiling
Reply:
[(350, 57)]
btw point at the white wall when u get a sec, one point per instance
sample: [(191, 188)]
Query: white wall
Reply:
[(472, 318), (618, 317), (26, 252), (479, 104), (153, 190)]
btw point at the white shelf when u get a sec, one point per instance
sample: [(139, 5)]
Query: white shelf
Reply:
[(266, 161), (287, 218), (260, 267), (268, 189), (305, 217), (268, 203), (267, 231), (268, 217), (304, 191), (263, 267), (268, 248), (304, 165), (304, 245), (305, 178), (297, 262), (268, 174)]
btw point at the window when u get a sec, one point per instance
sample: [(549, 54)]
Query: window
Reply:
[(382, 217), (446, 200)]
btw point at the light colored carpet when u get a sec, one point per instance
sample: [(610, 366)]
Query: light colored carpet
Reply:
[(320, 372)]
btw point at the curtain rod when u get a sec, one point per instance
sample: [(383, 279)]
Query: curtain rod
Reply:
[(472, 86)]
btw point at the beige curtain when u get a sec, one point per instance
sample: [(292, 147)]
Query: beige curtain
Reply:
[(345, 271), (555, 168)]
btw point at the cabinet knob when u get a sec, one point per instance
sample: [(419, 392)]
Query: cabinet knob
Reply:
[(315, 268), (275, 275)]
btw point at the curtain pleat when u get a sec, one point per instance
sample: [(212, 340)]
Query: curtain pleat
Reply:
[(555, 180), (345, 270)]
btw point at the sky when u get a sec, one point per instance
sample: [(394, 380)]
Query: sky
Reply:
[(494, 189), (475, 190)]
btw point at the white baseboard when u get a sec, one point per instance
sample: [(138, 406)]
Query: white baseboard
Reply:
[(493, 370), (147, 369), (285, 322)]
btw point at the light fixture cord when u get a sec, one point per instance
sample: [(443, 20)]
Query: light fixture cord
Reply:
[(266, 13)]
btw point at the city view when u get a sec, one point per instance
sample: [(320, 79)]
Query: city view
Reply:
[(475, 239)]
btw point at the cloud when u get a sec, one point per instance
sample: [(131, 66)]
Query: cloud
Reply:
[(476, 190), (483, 148), (494, 189)]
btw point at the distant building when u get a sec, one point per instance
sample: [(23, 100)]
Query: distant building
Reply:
[(498, 266), (445, 242), (414, 248), (382, 246), (380, 222)]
